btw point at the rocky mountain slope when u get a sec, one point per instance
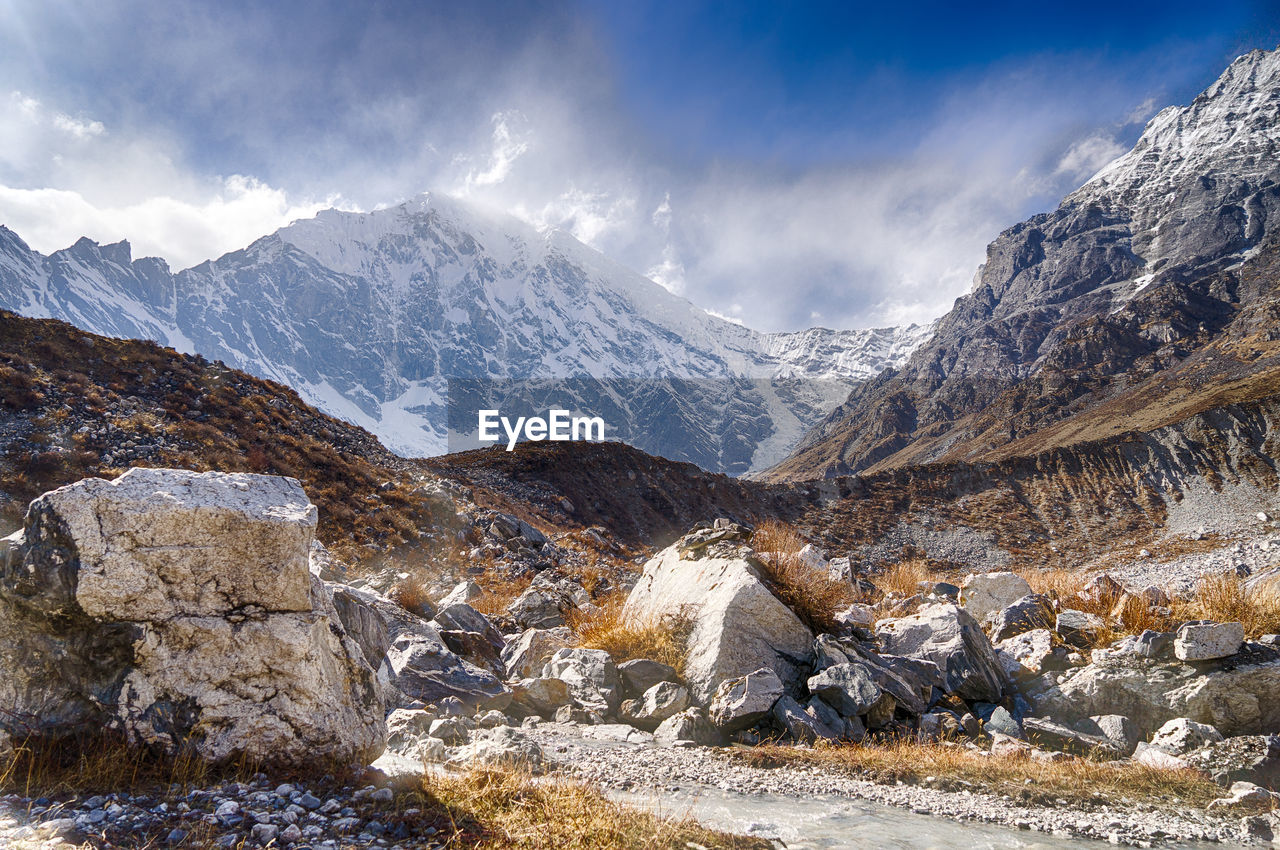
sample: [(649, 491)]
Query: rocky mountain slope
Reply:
[(407, 320), (1148, 296)]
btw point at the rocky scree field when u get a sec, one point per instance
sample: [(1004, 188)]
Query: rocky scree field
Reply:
[(267, 702)]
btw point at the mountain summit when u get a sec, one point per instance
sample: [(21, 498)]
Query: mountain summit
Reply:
[(1148, 295), (370, 315)]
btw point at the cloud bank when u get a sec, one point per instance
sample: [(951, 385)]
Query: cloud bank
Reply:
[(192, 129)]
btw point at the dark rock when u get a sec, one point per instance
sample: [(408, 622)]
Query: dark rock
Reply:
[(1034, 611), (641, 674)]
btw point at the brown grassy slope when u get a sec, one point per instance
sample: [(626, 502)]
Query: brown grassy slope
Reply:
[(69, 400), (639, 498)]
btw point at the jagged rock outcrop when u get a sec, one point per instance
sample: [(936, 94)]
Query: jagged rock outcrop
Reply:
[(412, 661), (1234, 695), (180, 608)]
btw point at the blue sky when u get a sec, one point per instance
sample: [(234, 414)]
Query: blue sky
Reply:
[(842, 164)]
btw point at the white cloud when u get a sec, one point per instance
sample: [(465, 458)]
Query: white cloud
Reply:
[(670, 273), (589, 216), (731, 319), (1143, 111), (1088, 156), (183, 232), (510, 142), (62, 178)]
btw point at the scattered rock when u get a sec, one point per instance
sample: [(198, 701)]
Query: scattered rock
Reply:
[(1158, 758), (1203, 641), (689, 725), (1054, 736), (1236, 696), (501, 747), (463, 593), (528, 654), (985, 594), (741, 702), (1247, 758), (591, 676), (1119, 731), (656, 705), (1181, 735), (1102, 589), (640, 674), (451, 730), (950, 637), (812, 557), (540, 696), (1079, 628), (1033, 611), (1246, 795), (848, 688), (1030, 654), (800, 725), (405, 725), (538, 608), (857, 614), (1001, 722)]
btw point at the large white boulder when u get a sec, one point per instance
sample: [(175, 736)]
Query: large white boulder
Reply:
[(180, 607), (738, 625)]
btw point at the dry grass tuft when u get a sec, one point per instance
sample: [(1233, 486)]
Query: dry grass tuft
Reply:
[(1220, 597), (773, 535), (666, 641), (809, 592), (411, 595), (957, 768), (499, 592), (500, 810), (1225, 598), (904, 577)]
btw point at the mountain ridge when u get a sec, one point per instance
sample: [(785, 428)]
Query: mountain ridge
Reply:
[(368, 314), (1160, 262)]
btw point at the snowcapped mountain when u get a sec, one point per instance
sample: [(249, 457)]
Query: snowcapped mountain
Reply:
[(1148, 294), (370, 316)]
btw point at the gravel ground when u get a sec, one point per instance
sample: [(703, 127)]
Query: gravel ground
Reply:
[(1253, 555), (258, 814), (638, 766)]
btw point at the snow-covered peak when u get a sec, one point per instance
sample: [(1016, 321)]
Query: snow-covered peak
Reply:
[(1231, 129)]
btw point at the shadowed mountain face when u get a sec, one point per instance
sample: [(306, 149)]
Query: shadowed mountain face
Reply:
[(368, 317), (1147, 296)]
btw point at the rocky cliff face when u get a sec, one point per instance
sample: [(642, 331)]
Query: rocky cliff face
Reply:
[(370, 316), (1160, 267)]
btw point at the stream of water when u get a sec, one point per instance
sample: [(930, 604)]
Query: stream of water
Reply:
[(842, 823)]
